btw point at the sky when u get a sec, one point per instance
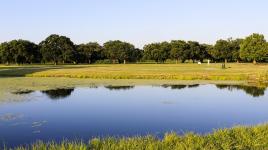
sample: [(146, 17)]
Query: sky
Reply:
[(136, 21)]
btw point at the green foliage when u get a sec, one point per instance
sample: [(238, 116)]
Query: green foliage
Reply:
[(194, 50), (90, 52), (57, 48), (118, 50), (178, 50), (254, 48), (19, 52), (238, 138), (158, 52), (221, 50), (60, 49)]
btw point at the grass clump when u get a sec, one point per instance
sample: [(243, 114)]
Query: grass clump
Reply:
[(237, 138)]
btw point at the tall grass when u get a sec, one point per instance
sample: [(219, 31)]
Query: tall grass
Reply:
[(238, 138)]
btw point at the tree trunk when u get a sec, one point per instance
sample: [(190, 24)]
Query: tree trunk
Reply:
[(113, 61), (177, 60), (124, 61), (89, 61), (225, 61), (254, 61)]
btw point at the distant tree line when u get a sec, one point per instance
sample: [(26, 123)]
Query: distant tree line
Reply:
[(60, 49)]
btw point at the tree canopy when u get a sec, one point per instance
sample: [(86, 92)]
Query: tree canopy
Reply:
[(19, 52), (57, 48), (60, 49), (254, 48), (90, 52), (118, 50)]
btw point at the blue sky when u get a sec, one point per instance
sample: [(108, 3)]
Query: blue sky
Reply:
[(135, 21)]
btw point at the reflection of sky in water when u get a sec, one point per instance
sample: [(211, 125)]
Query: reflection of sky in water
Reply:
[(127, 110)]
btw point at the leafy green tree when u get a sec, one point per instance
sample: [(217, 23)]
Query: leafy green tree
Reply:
[(24, 51), (204, 52), (89, 52), (118, 50), (136, 55), (193, 50), (158, 52), (5, 53), (57, 48), (178, 50), (254, 48), (222, 50), (148, 51), (19, 51), (235, 48)]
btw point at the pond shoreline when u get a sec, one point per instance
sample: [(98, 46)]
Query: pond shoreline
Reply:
[(46, 83)]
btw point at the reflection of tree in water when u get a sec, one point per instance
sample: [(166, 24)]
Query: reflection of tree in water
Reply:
[(22, 92), (58, 93), (193, 86), (110, 87), (251, 90), (179, 86)]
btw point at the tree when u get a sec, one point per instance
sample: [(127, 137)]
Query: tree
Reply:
[(178, 50), (158, 52), (89, 52), (136, 55), (235, 48), (19, 51), (254, 48), (118, 50), (57, 48), (222, 50), (5, 53), (204, 52), (193, 51), (24, 51)]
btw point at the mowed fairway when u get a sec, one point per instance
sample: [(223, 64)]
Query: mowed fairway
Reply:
[(143, 71)]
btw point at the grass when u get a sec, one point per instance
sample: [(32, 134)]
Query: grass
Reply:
[(237, 138), (236, 72)]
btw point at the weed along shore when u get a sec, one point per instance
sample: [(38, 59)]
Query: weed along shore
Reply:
[(239, 138)]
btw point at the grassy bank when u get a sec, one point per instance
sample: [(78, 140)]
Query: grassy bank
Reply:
[(237, 72), (238, 138)]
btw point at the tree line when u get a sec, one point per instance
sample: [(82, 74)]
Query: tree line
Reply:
[(60, 49)]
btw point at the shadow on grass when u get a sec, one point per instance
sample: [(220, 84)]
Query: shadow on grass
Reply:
[(22, 71)]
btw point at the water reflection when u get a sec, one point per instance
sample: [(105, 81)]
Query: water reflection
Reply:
[(179, 86), (193, 86), (58, 93), (110, 87), (22, 92), (251, 90)]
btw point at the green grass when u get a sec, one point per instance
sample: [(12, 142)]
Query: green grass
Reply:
[(237, 72), (238, 138)]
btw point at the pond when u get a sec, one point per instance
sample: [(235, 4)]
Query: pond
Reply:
[(83, 113)]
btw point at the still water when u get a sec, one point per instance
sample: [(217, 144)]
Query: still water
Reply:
[(83, 113)]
